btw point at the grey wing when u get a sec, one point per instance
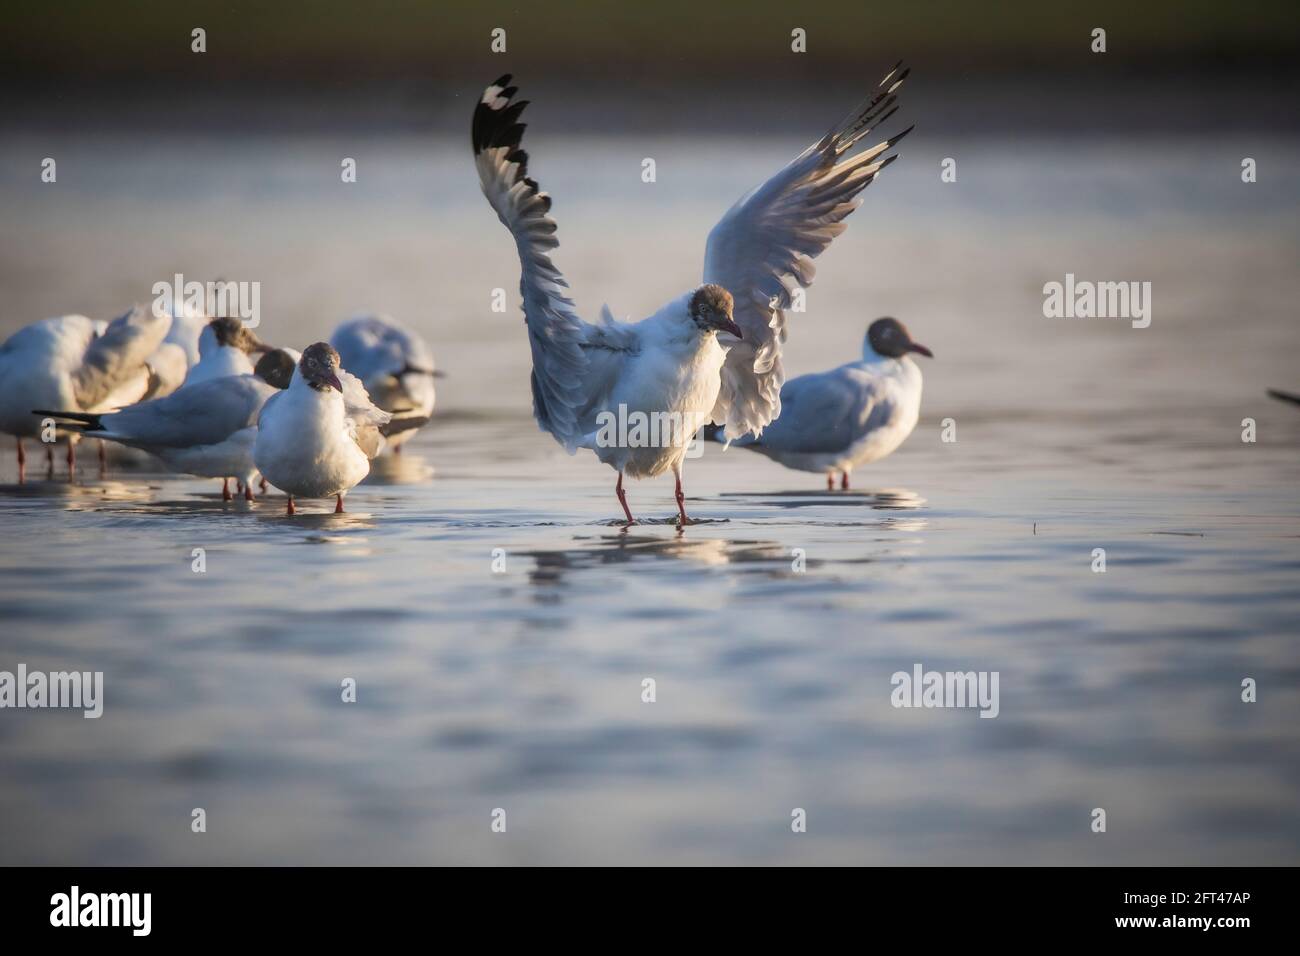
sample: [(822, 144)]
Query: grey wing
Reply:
[(202, 414), (827, 412), (762, 250), (266, 407), (117, 355), (568, 353)]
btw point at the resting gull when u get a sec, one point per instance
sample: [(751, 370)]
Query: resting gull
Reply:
[(852, 415), (225, 347), (75, 363), (396, 367)]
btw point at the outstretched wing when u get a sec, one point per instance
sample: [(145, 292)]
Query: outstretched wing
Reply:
[(762, 250), (118, 355), (574, 362)]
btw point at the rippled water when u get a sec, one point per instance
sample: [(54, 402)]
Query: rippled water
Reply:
[(521, 688)]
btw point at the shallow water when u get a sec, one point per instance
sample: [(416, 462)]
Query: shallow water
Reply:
[(521, 688)]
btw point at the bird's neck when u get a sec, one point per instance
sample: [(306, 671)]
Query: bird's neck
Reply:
[(871, 357)]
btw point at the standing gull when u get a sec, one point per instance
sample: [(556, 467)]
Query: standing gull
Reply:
[(206, 429), (396, 367), (858, 413), (74, 363), (712, 353), (316, 439)]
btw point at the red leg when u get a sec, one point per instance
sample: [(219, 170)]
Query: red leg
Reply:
[(622, 499), (103, 460), (290, 509), (830, 481), (248, 492), (263, 486), (72, 457), (338, 504), (844, 481), (22, 461), (225, 489), (681, 501)]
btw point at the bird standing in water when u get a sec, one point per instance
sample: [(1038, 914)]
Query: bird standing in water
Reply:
[(712, 354)]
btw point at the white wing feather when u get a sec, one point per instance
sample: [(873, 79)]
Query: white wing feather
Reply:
[(574, 362), (762, 250)]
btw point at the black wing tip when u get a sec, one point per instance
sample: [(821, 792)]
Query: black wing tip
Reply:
[(889, 143), (495, 121), (497, 126), (1282, 396), (84, 420)]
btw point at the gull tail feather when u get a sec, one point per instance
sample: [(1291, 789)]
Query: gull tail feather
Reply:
[(85, 421)]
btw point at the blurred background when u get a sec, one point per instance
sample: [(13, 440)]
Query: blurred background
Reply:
[(1195, 66)]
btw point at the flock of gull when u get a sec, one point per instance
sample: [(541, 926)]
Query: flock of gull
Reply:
[(206, 397)]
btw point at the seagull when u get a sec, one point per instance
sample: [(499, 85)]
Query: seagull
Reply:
[(860, 412), (316, 439), (72, 362), (206, 429), (396, 367), (711, 354), (224, 348)]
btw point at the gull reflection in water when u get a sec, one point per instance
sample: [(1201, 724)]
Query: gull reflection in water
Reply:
[(82, 495), (883, 499), (404, 468), (553, 566)]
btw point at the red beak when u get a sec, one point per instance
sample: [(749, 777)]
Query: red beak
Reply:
[(334, 380), (920, 349), (731, 328)]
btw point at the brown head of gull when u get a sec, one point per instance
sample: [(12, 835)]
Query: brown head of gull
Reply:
[(319, 366), (231, 333), (711, 310), (275, 368), (890, 338)]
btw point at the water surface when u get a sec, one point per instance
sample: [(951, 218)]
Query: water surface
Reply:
[(521, 688)]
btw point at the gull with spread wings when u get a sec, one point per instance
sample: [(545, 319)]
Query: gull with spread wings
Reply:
[(713, 354)]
